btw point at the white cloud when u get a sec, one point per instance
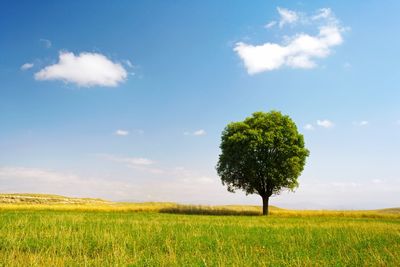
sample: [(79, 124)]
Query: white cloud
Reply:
[(141, 164), (361, 123), (139, 131), (139, 161), (129, 63), (309, 127), (37, 180), (287, 16), (121, 132), (35, 173), (325, 123), (345, 184), (147, 166), (323, 13), (46, 43), (189, 176), (85, 69), (198, 180), (132, 161), (199, 132), (298, 51), (347, 66), (377, 181), (270, 24), (342, 194), (26, 66)]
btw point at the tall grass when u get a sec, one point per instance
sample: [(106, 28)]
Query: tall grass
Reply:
[(46, 230), (72, 238), (196, 209), (211, 210)]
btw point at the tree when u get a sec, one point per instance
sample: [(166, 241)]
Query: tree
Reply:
[(264, 154)]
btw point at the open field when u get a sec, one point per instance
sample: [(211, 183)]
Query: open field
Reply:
[(43, 202), (110, 234)]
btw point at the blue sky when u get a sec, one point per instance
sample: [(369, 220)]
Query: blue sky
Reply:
[(127, 101)]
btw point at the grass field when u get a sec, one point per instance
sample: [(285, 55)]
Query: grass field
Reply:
[(51, 233)]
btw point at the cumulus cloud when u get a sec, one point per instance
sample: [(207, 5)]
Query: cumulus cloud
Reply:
[(325, 123), (85, 70), (27, 66), (121, 132), (298, 51)]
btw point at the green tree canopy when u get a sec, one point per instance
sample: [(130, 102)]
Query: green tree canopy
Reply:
[(264, 154)]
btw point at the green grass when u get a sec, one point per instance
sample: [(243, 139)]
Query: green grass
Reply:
[(116, 234), (55, 238)]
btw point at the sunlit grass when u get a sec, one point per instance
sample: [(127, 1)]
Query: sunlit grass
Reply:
[(102, 233), (60, 203), (59, 238)]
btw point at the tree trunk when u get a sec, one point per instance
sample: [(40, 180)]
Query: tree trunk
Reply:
[(265, 204)]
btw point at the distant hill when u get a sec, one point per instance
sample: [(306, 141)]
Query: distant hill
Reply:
[(390, 210), (38, 201), (47, 199)]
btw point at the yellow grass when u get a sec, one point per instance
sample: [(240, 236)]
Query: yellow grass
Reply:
[(43, 230), (61, 203)]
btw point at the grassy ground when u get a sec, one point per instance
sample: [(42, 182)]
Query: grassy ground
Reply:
[(57, 235)]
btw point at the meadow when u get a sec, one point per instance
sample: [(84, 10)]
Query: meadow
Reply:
[(36, 231)]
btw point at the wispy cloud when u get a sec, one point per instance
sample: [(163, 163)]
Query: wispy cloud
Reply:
[(129, 63), (137, 163), (27, 66), (189, 176), (347, 66), (325, 123), (131, 161), (309, 127), (298, 51), (270, 24), (121, 132), (287, 16), (46, 43), (35, 173), (148, 166), (85, 70), (324, 13), (38, 180), (361, 123), (199, 132)]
